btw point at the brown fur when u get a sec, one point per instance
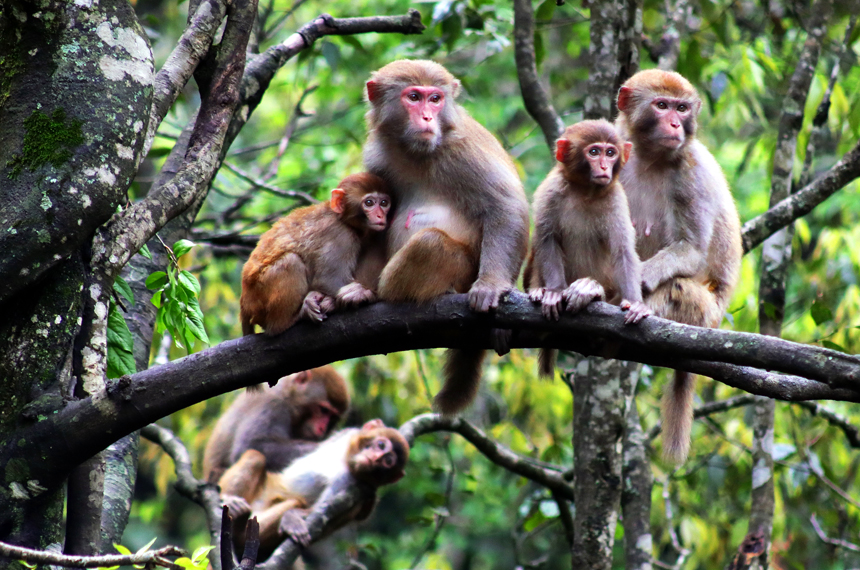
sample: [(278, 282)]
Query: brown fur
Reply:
[(280, 499), (273, 420), (584, 246), (461, 218), (687, 226), (301, 264)]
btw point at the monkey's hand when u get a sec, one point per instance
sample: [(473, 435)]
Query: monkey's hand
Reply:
[(237, 506), (293, 526), (635, 311), (316, 306), (353, 295), (550, 300), (485, 294), (581, 293)]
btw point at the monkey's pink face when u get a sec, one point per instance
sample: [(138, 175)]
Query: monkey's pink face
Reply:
[(378, 452), (602, 158), (424, 104), (674, 121), (375, 206), (316, 426)]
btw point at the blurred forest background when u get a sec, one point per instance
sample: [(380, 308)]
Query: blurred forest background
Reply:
[(455, 509)]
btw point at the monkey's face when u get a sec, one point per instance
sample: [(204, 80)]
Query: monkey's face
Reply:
[(318, 420), (375, 206), (424, 106), (674, 121), (602, 158)]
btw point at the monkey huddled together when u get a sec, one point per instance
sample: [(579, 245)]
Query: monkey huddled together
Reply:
[(637, 214)]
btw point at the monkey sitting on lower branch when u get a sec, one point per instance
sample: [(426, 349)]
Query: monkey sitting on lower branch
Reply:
[(373, 455)]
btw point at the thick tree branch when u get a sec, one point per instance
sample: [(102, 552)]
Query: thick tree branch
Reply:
[(153, 557), (535, 97), (756, 230), (498, 454), (204, 494), (86, 426)]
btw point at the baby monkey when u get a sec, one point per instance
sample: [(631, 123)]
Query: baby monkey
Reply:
[(305, 264), (584, 245)]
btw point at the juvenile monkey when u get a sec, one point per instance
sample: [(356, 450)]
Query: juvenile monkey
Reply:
[(283, 422), (461, 218), (374, 455), (687, 226), (304, 265), (584, 248)]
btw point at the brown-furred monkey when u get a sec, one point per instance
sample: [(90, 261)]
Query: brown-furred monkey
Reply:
[(687, 226), (584, 248), (460, 221), (283, 422), (374, 455), (304, 265)]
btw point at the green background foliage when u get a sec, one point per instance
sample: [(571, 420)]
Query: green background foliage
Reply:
[(740, 58)]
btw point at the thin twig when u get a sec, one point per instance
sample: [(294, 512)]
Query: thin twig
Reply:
[(263, 185)]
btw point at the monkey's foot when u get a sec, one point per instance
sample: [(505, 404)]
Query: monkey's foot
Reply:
[(353, 295), (635, 311), (485, 295), (550, 300), (581, 293), (293, 526), (237, 506), (316, 306)]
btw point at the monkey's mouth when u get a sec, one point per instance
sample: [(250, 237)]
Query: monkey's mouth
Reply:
[(378, 227), (602, 178)]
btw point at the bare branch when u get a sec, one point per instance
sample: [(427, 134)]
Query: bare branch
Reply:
[(708, 409), (498, 454), (156, 557), (851, 431), (203, 493), (535, 97), (263, 185), (832, 541), (756, 230)]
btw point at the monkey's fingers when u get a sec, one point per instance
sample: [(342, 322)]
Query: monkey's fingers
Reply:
[(293, 526), (635, 311), (581, 293), (237, 506), (484, 296), (536, 294), (551, 305), (353, 295)]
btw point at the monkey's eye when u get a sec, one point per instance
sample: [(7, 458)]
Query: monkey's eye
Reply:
[(610, 152), (414, 96), (435, 98), (383, 203), (368, 203), (662, 105), (593, 151), (682, 108), (380, 444)]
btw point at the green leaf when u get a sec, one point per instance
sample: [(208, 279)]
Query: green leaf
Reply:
[(122, 549), (120, 346), (149, 544), (200, 554), (156, 281), (820, 312), (187, 280), (769, 310), (833, 346), (331, 53), (144, 251), (182, 247), (545, 10), (782, 450), (32, 566), (123, 288)]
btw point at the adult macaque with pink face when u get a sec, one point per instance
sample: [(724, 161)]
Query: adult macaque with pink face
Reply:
[(460, 220)]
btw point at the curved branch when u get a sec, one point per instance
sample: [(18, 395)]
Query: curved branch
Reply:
[(498, 454), (756, 230), (86, 426), (204, 494), (852, 432), (535, 98), (153, 557)]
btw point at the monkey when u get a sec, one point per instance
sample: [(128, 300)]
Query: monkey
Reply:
[(686, 223), (374, 455), (303, 267), (584, 248), (460, 220), (283, 422)]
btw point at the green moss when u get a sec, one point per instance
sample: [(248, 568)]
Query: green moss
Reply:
[(48, 139), (10, 67)]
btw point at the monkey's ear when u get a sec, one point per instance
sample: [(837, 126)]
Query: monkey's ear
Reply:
[(625, 152), (372, 91), (455, 88), (302, 377), (624, 95), (562, 147), (337, 198)]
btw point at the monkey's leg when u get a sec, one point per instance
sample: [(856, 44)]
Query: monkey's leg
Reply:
[(286, 284), (270, 521), (430, 264), (240, 485), (316, 306)]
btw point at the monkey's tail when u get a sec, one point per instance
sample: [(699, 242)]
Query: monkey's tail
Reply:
[(678, 417), (462, 380), (546, 362)]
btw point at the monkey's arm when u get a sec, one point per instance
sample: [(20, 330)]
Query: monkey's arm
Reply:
[(282, 451), (547, 281), (503, 247)]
